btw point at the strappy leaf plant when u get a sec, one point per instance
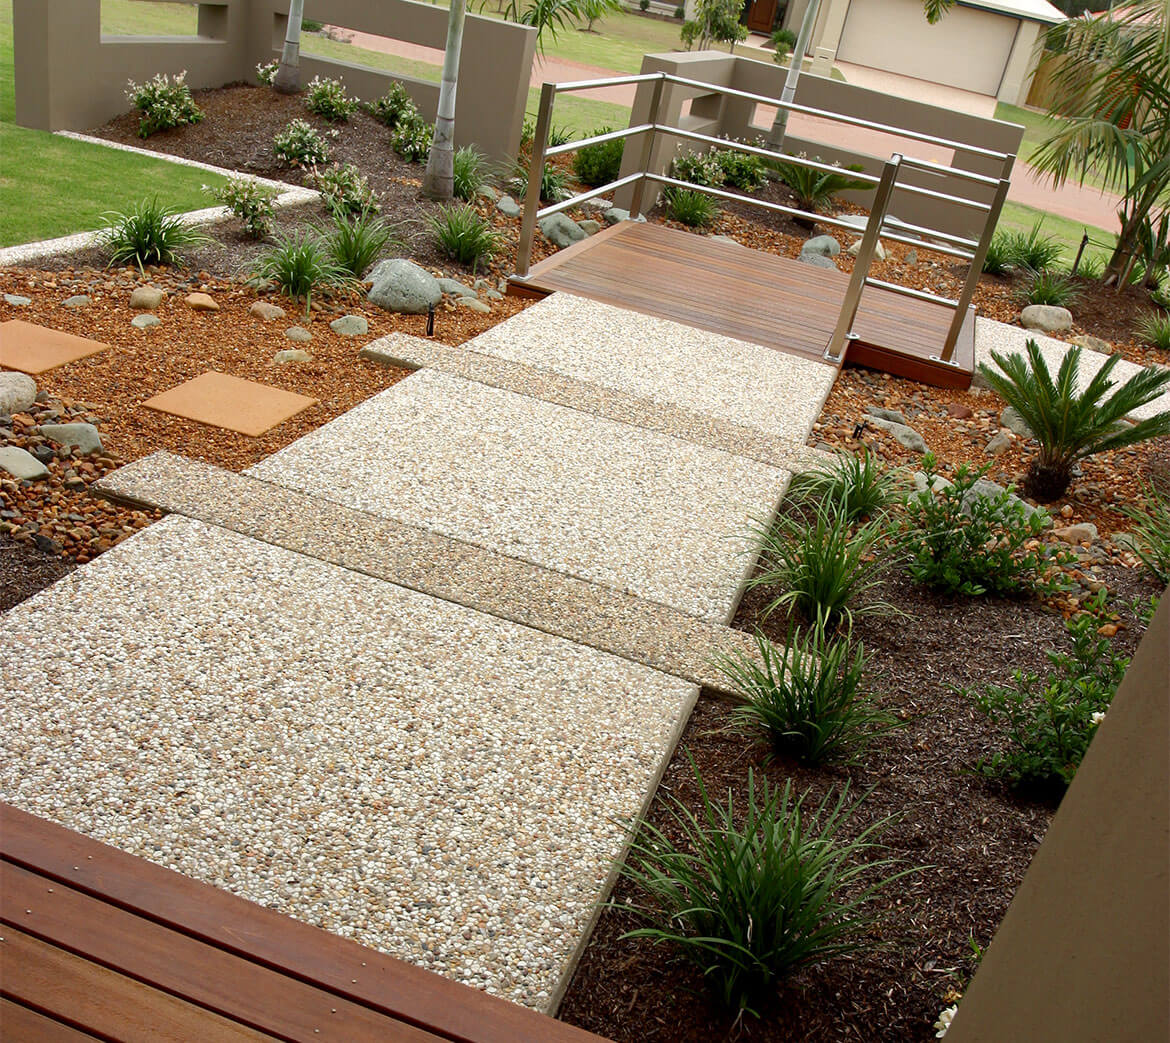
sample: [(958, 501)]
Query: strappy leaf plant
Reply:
[(1071, 425), (856, 481)]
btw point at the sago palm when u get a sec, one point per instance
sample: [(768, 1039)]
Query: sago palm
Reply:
[(1071, 425)]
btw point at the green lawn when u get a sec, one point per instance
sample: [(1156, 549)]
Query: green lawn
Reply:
[(1018, 218)]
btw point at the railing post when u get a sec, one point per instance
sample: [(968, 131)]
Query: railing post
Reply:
[(869, 240), (976, 270), (548, 95), (647, 148)]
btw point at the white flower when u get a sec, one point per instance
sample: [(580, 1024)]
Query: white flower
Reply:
[(944, 1021), (1098, 717)]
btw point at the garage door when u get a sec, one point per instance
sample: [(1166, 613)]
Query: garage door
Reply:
[(968, 49)]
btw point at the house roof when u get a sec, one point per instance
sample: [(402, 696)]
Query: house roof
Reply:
[(1029, 10)]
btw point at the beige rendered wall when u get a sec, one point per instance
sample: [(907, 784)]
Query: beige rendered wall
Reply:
[(1083, 954), (70, 77), (1021, 66)]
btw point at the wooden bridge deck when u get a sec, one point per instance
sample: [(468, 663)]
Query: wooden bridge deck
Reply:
[(752, 296), (99, 944)]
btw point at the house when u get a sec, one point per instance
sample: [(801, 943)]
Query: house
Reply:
[(985, 46)]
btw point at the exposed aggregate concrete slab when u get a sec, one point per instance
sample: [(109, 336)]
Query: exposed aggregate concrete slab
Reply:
[(428, 780), (644, 631), (617, 505)]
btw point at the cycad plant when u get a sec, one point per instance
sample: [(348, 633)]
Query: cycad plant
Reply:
[(1071, 425)]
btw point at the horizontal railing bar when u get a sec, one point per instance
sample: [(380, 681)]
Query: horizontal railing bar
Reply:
[(598, 139), (946, 237), (950, 251), (611, 81), (755, 150), (907, 291), (959, 200), (942, 168), (593, 193)]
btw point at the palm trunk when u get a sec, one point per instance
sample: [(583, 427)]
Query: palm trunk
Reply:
[(439, 179), (288, 75), (1127, 239)]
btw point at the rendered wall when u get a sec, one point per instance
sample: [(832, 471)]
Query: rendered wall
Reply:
[(70, 77), (1083, 953)]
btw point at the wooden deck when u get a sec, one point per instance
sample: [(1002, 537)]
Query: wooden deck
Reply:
[(753, 296), (99, 944)]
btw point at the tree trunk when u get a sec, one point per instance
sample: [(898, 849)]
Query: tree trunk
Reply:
[(1127, 239), (288, 74), (439, 179)]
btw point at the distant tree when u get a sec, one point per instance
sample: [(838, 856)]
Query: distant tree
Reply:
[(715, 21), (592, 10), (545, 16)]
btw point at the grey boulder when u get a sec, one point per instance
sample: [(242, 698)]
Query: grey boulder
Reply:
[(904, 435), (454, 286), (1047, 318), (508, 206), (817, 260), (1012, 420), (891, 415), (402, 286), (84, 436), (825, 245), (18, 391), (350, 326), (561, 231), (16, 300), (23, 466)]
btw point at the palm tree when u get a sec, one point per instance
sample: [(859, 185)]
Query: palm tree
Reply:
[(1113, 86), (1071, 425), (439, 179), (287, 79)]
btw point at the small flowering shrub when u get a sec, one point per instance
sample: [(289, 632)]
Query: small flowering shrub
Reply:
[(963, 543), (327, 98), (164, 103), (346, 190), (1049, 721), (250, 202), (741, 170), (698, 168), (392, 106), (299, 145), (412, 138), (266, 71)]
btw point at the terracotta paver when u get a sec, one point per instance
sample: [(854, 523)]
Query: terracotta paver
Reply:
[(230, 402), (35, 349)]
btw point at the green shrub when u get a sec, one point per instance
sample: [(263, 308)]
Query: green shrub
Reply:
[(808, 695), (1049, 722), (299, 264), (693, 209), (643, 5), (961, 542), (1033, 250), (463, 235), (597, 165), (680, 13), (266, 71), (412, 138), (822, 565), (299, 145), (999, 256), (1072, 425), (857, 484), (468, 165), (390, 107), (148, 234), (250, 202), (741, 170), (327, 98), (1152, 533), (815, 189), (164, 103), (356, 241), (783, 40), (1049, 287), (1154, 330), (698, 168), (345, 189), (751, 894)]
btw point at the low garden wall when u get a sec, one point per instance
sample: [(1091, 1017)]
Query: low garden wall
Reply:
[(71, 77)]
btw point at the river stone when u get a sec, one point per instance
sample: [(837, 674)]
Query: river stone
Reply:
[(508, 206), (488, 192), (16, 300), (1093, 344), (891, 415), (817, 260), (1082, 532), (911, 257), (937, 484), (999, 442), (266, 311), (84, 436), (904, 435), (722, 239), (454, 286), (350, 326), (297, 333), (23, 466), (493, 295), (79, 300), (615, 214), (201, 302), (473, 304), (146, 298), (18, 391), (825, 245), (1012, 420), (879, 251), (292, 355), (402, 286), (561, 231), (144, 322), (1046, 317), (985, 489), (589, 226)]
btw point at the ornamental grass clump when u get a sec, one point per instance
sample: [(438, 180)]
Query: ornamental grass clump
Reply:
[(299, 264), (1071, 425), (250, 202), (1151, 533), (808, 694), (553, 182), (749, 894), (998, 260), (149, 233), (1048, 287), (463, 234), (691, 208), (164, 103), (1154, 330), (356, 241), (1032, 249), (469, 172), (856, 483)]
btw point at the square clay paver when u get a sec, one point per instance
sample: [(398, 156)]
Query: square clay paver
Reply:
[(34, 349), (230, 402)]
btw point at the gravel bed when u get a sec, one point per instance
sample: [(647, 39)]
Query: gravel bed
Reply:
[(361, 757), (616, 505)]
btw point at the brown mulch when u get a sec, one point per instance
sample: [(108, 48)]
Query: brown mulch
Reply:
[(25, 568)]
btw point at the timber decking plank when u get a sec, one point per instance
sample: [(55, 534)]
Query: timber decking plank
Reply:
[(18, 1023), (71, 989), (197, 973), (308, 954)]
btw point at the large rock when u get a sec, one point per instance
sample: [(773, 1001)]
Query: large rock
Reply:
[(1015, 423), (998, 443), (904, 435), (825, 245), (402, 286), (1047, 318), (561, 231), (887, 414), (508, 206), (936, 484), (473, 304), (455, 287), (84, 436), (267, 311), (817, 260), (201, 302), (23, 466), (18, 392), (1082, 532), (350, 326), (589, 226), (146, 298)]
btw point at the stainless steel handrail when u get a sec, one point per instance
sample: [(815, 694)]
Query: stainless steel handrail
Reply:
[(598, 139)]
